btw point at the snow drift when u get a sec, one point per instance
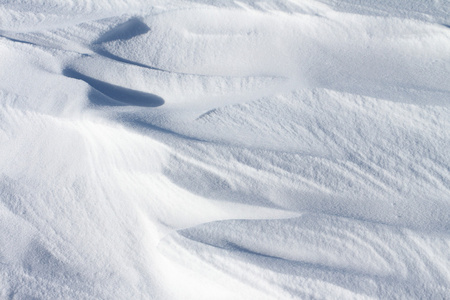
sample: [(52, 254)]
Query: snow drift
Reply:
[(224, 149)]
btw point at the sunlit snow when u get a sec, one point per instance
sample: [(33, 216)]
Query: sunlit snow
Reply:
[(218, 149)]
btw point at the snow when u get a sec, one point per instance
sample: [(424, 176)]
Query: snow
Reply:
[(202, 149)]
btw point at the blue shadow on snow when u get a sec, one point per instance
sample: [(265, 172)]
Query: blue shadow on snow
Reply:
[(121, 96)]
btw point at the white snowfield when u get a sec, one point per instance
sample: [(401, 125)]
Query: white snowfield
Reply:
[(218, 149)]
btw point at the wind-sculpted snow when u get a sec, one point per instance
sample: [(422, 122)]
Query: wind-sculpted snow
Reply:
[(224, 149), (310, 257)]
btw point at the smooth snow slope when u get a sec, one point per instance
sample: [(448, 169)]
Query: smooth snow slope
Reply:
[(224, 149)]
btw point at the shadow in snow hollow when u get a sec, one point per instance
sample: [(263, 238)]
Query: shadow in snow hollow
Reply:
[(115, 95)]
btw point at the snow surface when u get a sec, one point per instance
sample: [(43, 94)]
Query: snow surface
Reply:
[(206, 149)]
